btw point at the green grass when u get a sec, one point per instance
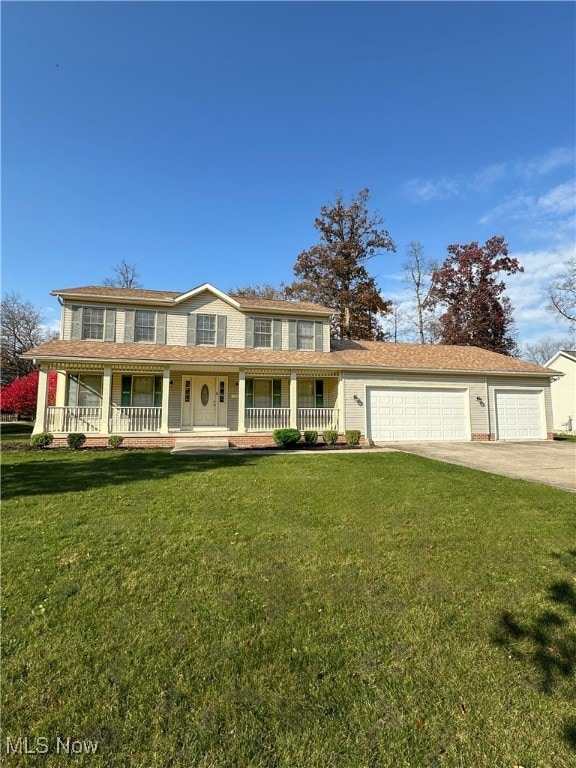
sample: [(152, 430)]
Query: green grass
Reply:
[(569, 438), (317, 611), (15, 435)]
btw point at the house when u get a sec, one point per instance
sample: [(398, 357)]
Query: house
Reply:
[(563, 391), (157, 365)]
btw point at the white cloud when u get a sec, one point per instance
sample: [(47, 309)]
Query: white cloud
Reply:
[(560, 157), (432, 189)]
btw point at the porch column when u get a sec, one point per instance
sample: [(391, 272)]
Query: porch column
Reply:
[(165, 400), (60, 389), (293, 401), (241, 400), (106, 398), (340, 403), (40, 423)]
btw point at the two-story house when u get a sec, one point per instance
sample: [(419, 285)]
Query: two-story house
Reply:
[(154, 365)]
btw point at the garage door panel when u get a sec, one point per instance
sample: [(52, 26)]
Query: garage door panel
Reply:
[(519, 415), (417, 414)]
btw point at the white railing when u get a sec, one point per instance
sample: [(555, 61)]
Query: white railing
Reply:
[(129, 419), (317, 418), (5, 417), (71, 418), (265, 419)]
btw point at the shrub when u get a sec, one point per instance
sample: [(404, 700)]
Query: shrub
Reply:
[(311, 437), (353, 436), (330, 436), (115, 441), (41, 440), (76, 440), (287, 438)]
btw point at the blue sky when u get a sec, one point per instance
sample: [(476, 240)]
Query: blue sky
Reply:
[(199, 140)]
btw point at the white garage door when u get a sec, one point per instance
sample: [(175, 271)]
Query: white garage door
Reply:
[(519, 415), (407, 413)]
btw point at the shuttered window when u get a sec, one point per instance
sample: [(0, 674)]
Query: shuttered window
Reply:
[(263, 393), (93, 323), (141, 391), (145, 325)]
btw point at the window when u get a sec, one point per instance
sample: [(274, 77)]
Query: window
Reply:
[(142, 391), (305, 334), (85, 390), (310, 393), (263, 393), (262, 333), (144, 325), (206, 329), (93, 323)]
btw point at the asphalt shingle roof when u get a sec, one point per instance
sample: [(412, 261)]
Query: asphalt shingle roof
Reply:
[(344, 355)]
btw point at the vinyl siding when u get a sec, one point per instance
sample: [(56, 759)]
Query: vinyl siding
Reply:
[(563, 392), (354, 416), (518, 383)]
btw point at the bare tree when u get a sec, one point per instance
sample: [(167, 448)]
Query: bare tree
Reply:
[(398, 324), (126, 276), (562, 294), (258, 291), (418, 271), (541, 350), (22, 329)]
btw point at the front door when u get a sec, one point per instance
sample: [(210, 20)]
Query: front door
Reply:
[(204, 401)]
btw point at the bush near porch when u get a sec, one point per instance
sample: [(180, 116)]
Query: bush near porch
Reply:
[(347, 610)]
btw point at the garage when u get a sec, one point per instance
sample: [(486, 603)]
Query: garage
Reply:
[(415, 413), (519, 415)]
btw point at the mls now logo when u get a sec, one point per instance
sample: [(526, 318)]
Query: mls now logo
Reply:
[(23, 745)]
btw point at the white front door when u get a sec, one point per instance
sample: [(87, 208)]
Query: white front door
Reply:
[(204, 401)]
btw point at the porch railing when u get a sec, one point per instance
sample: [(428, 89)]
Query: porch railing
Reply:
[(73, 419), (265, 419), (317, 418), (132, 419)]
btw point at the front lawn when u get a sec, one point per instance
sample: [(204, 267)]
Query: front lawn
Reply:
[(325, 611)]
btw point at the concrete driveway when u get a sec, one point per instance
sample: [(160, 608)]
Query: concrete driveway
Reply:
[(552, 463)]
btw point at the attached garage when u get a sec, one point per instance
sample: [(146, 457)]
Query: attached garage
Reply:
[(519, 415), (417, 413)]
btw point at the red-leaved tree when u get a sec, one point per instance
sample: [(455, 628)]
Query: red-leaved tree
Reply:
[(21, 395), (467, 286)]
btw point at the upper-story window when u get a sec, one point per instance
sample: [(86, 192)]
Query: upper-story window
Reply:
[(262, 332), (305, 334), (144, 325), (93, 323), (206, 329)]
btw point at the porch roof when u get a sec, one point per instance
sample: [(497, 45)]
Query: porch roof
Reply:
[(345, 355)]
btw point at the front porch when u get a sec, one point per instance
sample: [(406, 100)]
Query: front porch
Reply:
[(147, 402)]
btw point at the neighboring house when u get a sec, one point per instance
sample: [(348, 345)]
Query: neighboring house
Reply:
[(155, 365), (564, 391)]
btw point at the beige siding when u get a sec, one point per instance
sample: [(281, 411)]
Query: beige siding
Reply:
[(175, 401), (354, 416), (66, 328), (563, 393), (205, 303), (518, 383)]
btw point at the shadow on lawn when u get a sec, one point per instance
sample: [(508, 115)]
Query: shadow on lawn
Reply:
[(547, 642), (49, 474)]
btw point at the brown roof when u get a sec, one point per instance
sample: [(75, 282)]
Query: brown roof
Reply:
[(349, 355), (133, 294)]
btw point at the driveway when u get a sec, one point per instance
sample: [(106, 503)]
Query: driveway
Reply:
[(552, 463)]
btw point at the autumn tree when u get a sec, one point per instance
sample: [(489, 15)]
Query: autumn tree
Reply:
[(467, 286), (22, 327), (260, 291), (21, 395), (333, 273), (126, 276), (562, 294), (418, 271)]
